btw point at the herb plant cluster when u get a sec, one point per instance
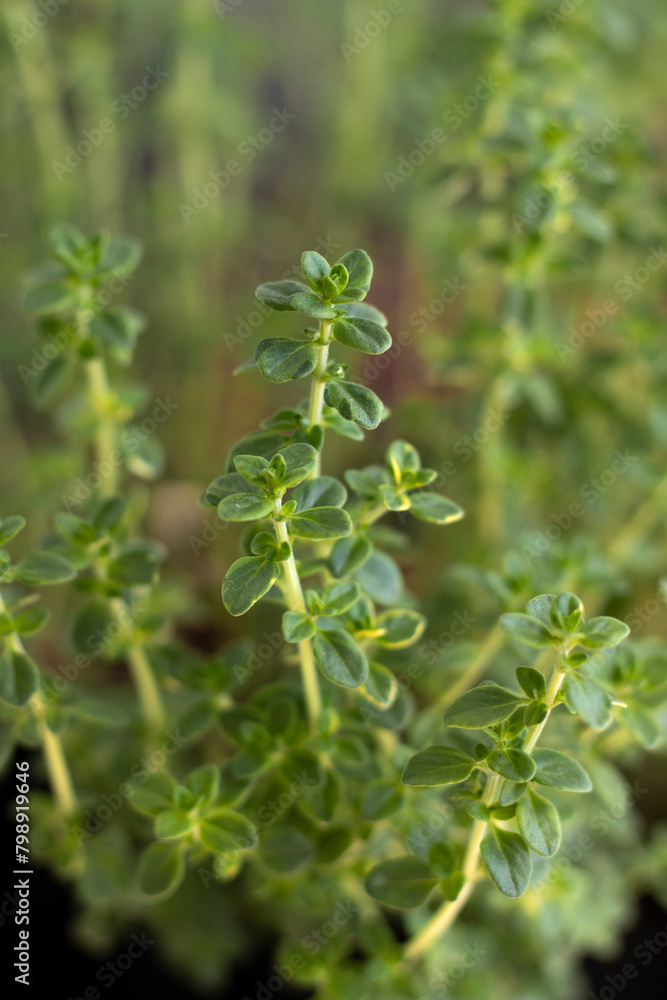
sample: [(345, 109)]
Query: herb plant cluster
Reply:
[(199, 797)]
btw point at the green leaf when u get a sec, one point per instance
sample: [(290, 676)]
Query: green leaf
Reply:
[(361, 310), (323, 491), (349, 553), (31, 620), (340, 659), (380, 687), (277, 294), (507, 860), (539, 823), (312, 305), (300, 458), (598, 633), (155, 794), (354, 402), (361, 335), (566, 612), (401, 457), (122, 257), (404, 882), (297, 626), (228, 485), (91, 628), (532, 682), (380, 577), (42, 568), (314, 267), (224, 830), (263, 443), (450, 886), (321, 522), (246, 581), (381, 798), (481, 707), (75, 529), (528, 630), (161, 869), (136, 565), (435, 508), (47, 296), (285, 848), (438, 765), (244, 507), (173, 823), (360, 270), (52, 381), (588, 699), (514, 765), (117, 327), (540, 606), (556, 770), (10, 527), (204, 783), (400, 628), (338, 597), (19, 678), (282, 360)]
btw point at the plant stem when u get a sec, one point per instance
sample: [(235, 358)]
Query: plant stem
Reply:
[(443, 918), (105, 434), (148, 691), (317, 385), (295, 602), (54, 755)]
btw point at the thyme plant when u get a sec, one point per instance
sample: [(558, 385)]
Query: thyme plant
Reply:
[(307, 788)]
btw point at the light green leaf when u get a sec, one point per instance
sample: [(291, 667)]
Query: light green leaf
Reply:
[(173, 823), (10, 527), (314, 267), (42, 568), (380, 687), (400, 628), (297, 626), (404, 883), (349, 553), (434, 508), (47, 296), (204, 783), (161, 869), (224, 830), (244, 507), (598, 633), (588, 699)]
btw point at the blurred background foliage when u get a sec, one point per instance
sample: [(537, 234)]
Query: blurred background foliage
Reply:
[(519, 259)]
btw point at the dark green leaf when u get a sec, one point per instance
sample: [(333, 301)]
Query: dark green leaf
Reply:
[(532, 682), (515, 765), (380, 687), (556, 770), (285, 848), (507, 861), (354, 402), (312, 305), (48, 296), (19, 678), (314, 267), (161, 869), (283, 360), (601, 632), (360, 270), (246, 581), (277, 294), (31, 620), (320, 523), (481, 707), (539, 823), (349, 554), (566, 612), (297, 626), (340, 659), (10, 527), (438, 765), (381, 798), (323, 491), (244, 507), (528, 630), (228, 485), (362, 335)]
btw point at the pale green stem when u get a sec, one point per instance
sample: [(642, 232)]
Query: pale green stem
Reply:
[(443, 918), (142, 674), (105, 434), (316, 402), (54, 755), (295, 602)]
